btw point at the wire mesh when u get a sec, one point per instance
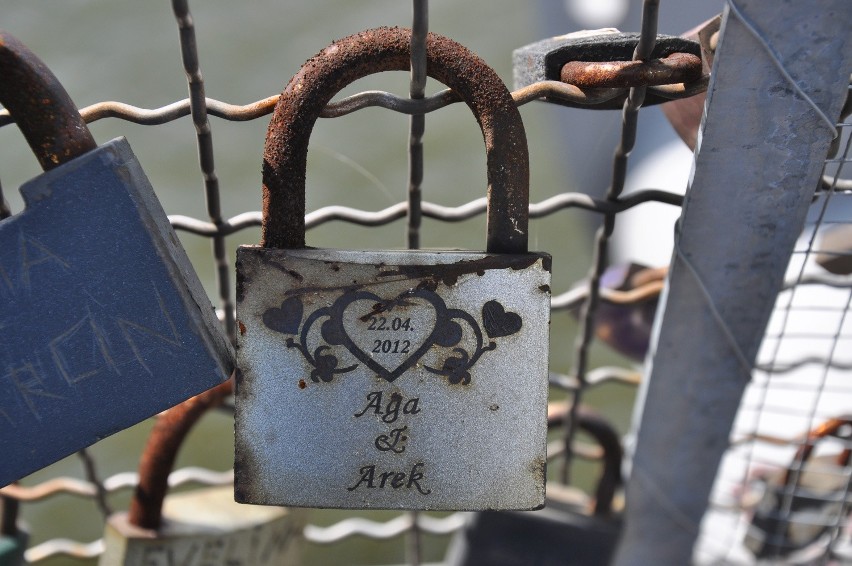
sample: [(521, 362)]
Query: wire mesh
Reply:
[(590, 295), (785, 497), (217, 228)]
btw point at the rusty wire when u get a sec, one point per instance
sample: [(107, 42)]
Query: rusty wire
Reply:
[(375, 98)]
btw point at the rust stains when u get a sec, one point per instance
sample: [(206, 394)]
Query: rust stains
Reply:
[(38, 102)]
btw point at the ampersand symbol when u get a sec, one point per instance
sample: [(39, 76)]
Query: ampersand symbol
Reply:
[(385, 442)]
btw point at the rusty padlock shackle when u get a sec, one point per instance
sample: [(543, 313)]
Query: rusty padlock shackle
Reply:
[(160, 452), (596, 426), (388, 49), (41, 107)]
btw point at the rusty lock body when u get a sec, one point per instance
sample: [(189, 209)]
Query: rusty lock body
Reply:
[(392, 379), (104, 321)]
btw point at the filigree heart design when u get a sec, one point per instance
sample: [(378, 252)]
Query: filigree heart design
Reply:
[(389, 335), (498, 322), (285, 319)]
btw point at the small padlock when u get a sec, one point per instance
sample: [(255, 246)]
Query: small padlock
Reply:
[(800, 505), (205, 527), (392, 379), (201, 528), (104, 320), (570, 530)]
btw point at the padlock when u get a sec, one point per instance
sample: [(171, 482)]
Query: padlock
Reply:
[(104, 320), (801, 505), (201, 528), (205, 527), (570, 530), (392, 379)]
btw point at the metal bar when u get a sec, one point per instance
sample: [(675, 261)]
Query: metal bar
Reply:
[(94, 479), (417, 90), (430, 210), (754, 178), (198, 108), (5, 210), (8, 516), (417, 126), (630, 115), (373, 98)]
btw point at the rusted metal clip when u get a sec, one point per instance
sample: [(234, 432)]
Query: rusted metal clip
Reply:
[(603, 60)]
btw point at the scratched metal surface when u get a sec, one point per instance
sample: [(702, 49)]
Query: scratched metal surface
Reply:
[(119, 317), (391, 379)]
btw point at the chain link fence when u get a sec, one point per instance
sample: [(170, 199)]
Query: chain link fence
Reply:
[(584, 373)]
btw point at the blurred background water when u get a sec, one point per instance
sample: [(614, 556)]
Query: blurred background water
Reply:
[(128, 51)]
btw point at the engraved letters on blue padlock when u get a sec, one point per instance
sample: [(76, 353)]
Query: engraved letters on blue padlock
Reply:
[(104, 322), (392, 379)]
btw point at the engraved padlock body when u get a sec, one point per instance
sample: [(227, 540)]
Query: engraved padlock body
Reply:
[(104, 320), (392, 379)]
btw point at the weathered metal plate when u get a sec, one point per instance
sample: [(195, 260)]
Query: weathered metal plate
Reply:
[(413, 380), (104, 323)]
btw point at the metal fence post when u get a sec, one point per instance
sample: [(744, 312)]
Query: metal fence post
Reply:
[(780, 77)]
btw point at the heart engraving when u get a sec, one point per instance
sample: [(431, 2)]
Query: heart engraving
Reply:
[(498, 322), (285, 319), (388, 336)]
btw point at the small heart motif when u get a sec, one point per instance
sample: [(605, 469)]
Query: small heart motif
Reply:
[(498, 322), (286, 319)]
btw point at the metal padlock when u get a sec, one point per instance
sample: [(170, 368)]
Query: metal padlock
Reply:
[(570, 530), (201, 528), (392, 379), (802, 504), (205, 527), (104, 320)]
